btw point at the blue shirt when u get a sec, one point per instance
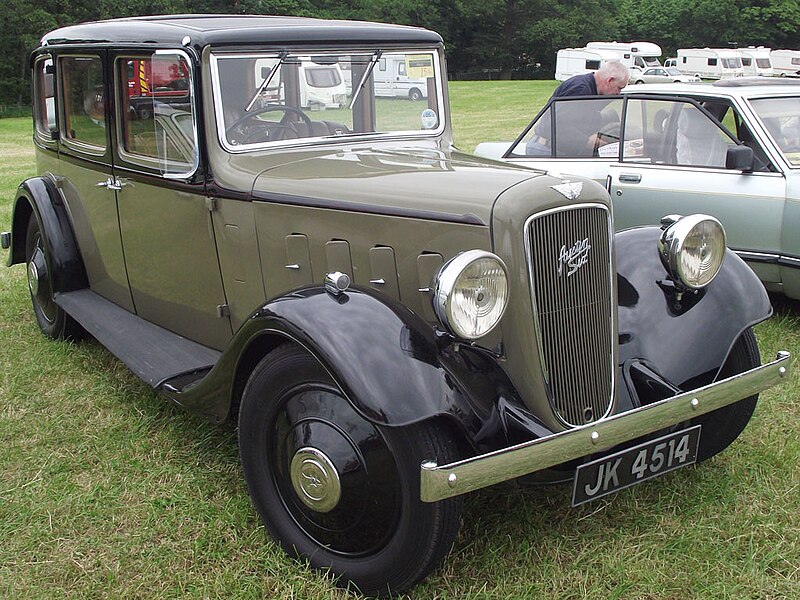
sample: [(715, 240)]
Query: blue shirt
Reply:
[(577, 85)]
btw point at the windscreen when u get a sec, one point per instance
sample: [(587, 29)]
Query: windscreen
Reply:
[(280, 98)]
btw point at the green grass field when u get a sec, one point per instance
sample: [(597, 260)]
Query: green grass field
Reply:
[(109, 491)]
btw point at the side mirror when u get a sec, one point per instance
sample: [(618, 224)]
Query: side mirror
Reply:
[(740, 158)]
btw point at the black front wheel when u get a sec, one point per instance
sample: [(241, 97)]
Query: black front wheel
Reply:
[(52, 319), (336, 489), (722, 426)]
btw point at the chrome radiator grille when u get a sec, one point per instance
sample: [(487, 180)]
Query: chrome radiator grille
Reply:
[(569, 257)]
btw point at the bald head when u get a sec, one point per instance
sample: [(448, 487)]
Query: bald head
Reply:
[(611, 78)]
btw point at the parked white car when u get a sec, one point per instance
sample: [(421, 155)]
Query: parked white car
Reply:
[(662, 75), (730, 149)]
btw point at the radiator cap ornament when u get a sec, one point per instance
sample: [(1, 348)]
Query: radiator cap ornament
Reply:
[(571, 190)]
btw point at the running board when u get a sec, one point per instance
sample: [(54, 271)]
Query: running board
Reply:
[(153, 353)]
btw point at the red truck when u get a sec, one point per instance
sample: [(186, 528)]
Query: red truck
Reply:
[(156, 80)]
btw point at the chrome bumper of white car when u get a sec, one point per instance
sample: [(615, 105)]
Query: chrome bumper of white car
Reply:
[(440, 482)]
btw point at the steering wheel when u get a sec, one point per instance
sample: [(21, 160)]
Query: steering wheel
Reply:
[(248, 125)]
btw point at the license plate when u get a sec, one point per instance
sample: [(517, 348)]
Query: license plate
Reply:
[(628, 467)]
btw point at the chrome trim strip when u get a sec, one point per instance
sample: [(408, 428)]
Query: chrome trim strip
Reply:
[(762, 257), (440, 482), (769, 258)]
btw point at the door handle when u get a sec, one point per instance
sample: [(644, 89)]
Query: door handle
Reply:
[(113, 183), (630, 177)]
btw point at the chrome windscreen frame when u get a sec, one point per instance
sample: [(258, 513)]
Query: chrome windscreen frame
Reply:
[(219, 116)]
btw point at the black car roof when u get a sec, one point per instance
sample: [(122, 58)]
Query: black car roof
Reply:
[(236, 30)]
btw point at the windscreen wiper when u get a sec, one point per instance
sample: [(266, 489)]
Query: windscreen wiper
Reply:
[(367, 72), (267, 81)]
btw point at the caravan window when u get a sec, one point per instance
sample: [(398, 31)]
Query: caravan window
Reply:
[(325, 77), (592, 65), (732, 63), (712, 62)]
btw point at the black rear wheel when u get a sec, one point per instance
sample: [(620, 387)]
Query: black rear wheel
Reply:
[(722, 426), (52, 319), (336, 489)]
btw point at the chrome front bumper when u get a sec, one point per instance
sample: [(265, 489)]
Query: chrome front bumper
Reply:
[(440, 482)]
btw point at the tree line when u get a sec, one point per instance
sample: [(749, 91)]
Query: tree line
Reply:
[(483, 38)]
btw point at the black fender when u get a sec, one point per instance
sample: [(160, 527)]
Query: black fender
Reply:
[(393, 367), (39, 197), (685, 339)]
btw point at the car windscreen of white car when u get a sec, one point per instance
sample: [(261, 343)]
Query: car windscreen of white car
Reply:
[(781, 118)]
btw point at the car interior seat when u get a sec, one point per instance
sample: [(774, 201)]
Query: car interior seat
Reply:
[(699, 142)]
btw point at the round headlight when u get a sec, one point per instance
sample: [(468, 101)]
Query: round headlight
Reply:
[(471, 293), (692, 250)]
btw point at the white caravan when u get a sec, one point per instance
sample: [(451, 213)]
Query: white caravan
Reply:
[(643, 54), (710, 63), (321, 85), (756, 61), (786, 62), (392, 77), (574, 61)]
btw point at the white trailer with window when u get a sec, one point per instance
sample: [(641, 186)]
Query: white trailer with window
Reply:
[(710, 63), (574, 61), (756, 61), (786, 62), (643, 55), (396, 75)]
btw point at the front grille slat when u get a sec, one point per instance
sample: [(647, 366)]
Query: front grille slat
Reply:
[(574, 310)]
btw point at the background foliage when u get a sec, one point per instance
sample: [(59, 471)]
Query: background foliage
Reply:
[(485, 39)]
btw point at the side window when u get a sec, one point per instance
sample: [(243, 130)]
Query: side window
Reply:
[(592, 65), (44, 109), (401, 68), (699, 141), (712, 62), (156, 112), (84, 100), (583, 129), (674, 133)]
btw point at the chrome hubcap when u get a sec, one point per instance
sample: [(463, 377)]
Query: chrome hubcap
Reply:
[(36, 271), (33, 278), (315, 480)]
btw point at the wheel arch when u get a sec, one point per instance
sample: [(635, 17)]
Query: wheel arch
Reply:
[(687, 340), (39, 198), (387, 361)]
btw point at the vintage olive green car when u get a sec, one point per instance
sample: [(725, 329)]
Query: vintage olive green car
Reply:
[(237, 211)]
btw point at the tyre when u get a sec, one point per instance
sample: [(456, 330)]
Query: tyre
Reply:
[(722, 426), (415, 94), (334, 488), (52, 319), (638, 82)]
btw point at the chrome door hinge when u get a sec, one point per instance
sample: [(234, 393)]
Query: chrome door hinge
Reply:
[(212, 204), (223, 310)]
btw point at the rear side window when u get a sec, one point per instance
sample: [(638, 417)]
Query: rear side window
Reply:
[(44, 109), (85, 107), (156, 112)]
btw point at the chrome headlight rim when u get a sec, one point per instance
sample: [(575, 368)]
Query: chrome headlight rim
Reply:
[(672, 245), (445, 285)]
